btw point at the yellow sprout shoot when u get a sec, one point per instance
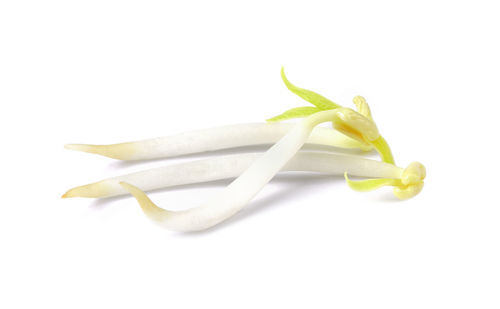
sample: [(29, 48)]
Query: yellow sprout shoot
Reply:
[(409, 185), (356, 125)]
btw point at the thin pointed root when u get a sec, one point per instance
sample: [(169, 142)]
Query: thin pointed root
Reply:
[(123, 151), (149, 208)]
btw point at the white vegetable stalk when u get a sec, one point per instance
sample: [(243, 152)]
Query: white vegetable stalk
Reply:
[(214, 139), (232, 166), (352, 130), (235, 196)]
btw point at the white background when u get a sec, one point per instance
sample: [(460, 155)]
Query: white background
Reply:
[(113, 71)]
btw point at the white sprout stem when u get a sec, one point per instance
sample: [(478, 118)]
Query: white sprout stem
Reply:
[(214, 139), (237, 194), (231, 166)]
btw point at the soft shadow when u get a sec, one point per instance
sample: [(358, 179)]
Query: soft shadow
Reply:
[(286, 178), (101, 202), (296, 185), (388, 197)]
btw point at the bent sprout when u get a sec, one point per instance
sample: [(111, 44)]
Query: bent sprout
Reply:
[(237, 194), (351, 129)]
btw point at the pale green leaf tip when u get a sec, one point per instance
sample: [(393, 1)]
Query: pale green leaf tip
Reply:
[(297, 112), (312, 97), (369, 184), (275, 119)]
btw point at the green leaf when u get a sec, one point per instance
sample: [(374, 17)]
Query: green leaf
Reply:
[(371, 184), (297, 112), (316, 99)]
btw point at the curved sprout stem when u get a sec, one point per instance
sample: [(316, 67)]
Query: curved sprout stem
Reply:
[(237, 194)]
